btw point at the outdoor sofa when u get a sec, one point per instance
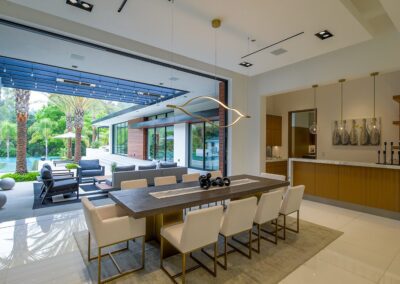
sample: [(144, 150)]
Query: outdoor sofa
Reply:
[(89, 169)]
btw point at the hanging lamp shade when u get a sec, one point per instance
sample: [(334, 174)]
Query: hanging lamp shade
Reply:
[(313, 129)]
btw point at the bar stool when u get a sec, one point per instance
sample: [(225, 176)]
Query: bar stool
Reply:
[(109, 225), (199, 230), (133, 184), (290, 204), (158, 181), (238, 218)]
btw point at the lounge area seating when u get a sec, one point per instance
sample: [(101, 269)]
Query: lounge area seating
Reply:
[(89, 169), (53, 186)]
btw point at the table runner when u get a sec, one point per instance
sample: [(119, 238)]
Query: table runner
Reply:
[(195, 189)]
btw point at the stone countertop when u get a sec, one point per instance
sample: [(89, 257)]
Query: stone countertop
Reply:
[(272, 160), (346, 163)]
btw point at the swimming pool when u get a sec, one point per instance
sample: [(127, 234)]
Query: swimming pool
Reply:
[(7, 165)]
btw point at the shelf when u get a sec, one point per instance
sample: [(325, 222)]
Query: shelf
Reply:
[(396, 123), (397, 98)]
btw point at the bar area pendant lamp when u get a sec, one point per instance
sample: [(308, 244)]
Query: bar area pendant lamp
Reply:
[(341, 126), (313, 127), (373, 125), (215, 23)]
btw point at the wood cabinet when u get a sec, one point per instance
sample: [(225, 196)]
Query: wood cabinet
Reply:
[(276, 167), (367, 186), (274, 130)]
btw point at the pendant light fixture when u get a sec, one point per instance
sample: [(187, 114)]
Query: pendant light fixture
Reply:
[(313, 127), (215, 23), (374, 74), (341, 81)]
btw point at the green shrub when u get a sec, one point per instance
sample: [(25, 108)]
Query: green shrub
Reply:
[(31, 176), (113, 166), (71, 166), (95, 144)]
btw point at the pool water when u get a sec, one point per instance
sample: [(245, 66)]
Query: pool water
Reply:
[(7, 165)]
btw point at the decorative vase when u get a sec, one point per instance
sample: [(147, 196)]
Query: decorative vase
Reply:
[(336, 134), (375, 133), (364, 135), (344, 134), (353, 133)]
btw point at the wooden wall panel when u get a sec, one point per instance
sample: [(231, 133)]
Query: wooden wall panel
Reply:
[(279, 168), (327, 181), (137, 141), (352, 184), (304, 173), (383, 189)]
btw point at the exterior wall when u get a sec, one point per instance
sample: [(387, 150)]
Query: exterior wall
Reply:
[(137, 142)]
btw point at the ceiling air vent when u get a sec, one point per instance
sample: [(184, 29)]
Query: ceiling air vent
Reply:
[(278, 51)]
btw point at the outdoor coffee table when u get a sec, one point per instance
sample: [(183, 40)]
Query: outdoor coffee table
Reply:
[(98, 181)]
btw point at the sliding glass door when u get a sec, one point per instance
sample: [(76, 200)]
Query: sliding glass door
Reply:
[(160, 143), (204, 146), (120, 138)]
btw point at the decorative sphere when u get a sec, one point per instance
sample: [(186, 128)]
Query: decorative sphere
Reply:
[(7, 183), (3, 200)]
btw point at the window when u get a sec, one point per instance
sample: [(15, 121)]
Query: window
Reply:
[(120, 138), (204, 146), (160, 140)]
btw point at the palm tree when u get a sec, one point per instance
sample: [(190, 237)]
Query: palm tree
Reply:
[(22, 112), (8, 132), (42, 129), (64, 104)]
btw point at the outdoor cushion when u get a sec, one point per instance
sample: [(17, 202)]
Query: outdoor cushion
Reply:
[(149, 167), (65, 184), (89, 164), (47, 166), (124, 168), (92, 173), (46, 176), (164, 165)]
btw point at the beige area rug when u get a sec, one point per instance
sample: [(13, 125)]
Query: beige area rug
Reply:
[(273, 264)]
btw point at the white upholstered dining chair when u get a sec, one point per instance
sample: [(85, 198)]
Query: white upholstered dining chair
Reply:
[(238, 218), (215, 174), (291, 204), (109, 225), (268, 211), (200, 229), (133, 184), (158, 181), (190, 177)]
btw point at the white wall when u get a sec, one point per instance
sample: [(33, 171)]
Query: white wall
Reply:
[(181, 143)]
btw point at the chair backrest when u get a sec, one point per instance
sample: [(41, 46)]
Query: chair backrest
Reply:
[(132, 184), (47, 166), (166, 165), (292, 199), (201, 228), (89, 210), (190, 177), (215, 174), (124, 168), (47, 177), (268, 207), (147, 167), (89, 164), (164, 180), (273, 176), (239, 216)]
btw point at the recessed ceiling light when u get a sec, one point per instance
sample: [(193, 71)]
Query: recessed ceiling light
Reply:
[(324, 34), (80, 4), (278, 51), (174, 78), (245, 64)]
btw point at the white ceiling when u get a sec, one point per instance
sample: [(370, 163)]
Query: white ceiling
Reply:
[(392, 7), (267, 21)]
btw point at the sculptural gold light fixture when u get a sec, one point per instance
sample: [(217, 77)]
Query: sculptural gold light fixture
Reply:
[(205, 119), (374, 74), (313, 127), (215, 23)]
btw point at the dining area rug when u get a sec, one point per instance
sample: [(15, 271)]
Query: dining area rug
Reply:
[(272, 265)]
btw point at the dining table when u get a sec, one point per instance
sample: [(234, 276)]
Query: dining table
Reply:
[(164, 205)]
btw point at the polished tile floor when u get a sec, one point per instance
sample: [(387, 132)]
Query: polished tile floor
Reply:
[(43, 250)]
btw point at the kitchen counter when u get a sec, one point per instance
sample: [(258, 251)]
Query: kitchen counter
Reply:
[(272, 160), (346, 163)]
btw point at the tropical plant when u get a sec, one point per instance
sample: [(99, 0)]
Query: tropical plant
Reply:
[(30, 176), (71, 166), (22, 112), (113, 166), (42, 130), (8, 132)]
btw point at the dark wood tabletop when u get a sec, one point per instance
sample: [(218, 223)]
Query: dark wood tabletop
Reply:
[(142, 204)]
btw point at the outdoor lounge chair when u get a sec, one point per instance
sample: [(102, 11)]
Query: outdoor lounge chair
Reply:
[(89, 169), (52, 187), (57, 176)]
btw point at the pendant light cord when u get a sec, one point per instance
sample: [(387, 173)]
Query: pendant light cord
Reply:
[(341, 81)]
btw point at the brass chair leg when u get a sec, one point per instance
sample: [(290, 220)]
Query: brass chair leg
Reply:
[(99, 265), (161, 250), (250, 242), (89, 248), (225, 266), (215, 258), (183, 267), (258, 238)]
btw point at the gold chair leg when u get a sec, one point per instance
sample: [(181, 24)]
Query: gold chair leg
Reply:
[(99, 265), (225, 266), (89, 248), (161, 250), (250, 242), (215, 258), (183, 267), (258, 238)]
